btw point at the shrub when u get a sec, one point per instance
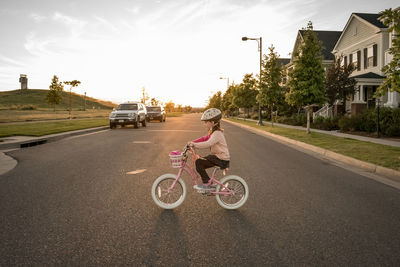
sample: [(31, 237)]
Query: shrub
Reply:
[(254, 116), (296, 119), (327, 124), (393, 130), (28, 107), (345, 124)]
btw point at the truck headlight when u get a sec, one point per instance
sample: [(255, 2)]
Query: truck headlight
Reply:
[(112, 115), (131, 115)]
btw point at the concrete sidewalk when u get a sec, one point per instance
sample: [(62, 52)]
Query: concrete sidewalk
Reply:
[(382, 141)]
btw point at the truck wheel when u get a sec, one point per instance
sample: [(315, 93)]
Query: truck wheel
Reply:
[(112, 125), (136, 124), (144, 123)]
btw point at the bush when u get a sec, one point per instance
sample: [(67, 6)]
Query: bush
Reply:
[(28, 107), (393, 130), (389, 120), (345, 124), (254, 116), (327, 124), (296, 119)]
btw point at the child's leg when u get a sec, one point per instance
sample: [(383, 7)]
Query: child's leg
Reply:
[(201, 165)]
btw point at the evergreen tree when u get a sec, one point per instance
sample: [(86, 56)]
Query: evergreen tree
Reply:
[(391, 18), (271, 95), (339, 84), (307, 80), (54, 96)]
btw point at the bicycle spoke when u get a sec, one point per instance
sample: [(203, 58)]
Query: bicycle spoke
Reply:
[(169, 197)]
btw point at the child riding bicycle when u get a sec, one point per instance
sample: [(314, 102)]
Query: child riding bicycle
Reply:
[(215, 140)]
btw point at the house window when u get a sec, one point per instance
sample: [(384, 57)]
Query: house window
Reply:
[(370, 56), (354, 60)]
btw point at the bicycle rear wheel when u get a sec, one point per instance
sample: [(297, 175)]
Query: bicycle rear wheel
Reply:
[(165, 199), (240, 192)]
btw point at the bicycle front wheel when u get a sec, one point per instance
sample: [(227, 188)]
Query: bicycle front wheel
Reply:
[(165, 199), (240, 192)]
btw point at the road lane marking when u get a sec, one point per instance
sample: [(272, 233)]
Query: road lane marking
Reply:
[(141, 142), (137, 171), (72, 137)]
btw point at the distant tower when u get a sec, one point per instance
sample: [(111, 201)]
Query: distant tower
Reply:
[(24, 81)]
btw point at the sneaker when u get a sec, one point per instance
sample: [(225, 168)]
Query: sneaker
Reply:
[(202, 187)]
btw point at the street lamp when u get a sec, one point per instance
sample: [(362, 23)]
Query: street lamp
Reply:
[(227, 83), (259, 41)]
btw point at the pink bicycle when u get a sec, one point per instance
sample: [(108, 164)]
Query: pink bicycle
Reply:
[(169, 190)]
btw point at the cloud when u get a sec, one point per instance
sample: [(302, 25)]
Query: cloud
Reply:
[(36, 17)]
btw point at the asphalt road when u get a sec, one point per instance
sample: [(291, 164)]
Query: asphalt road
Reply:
[(72, 203)]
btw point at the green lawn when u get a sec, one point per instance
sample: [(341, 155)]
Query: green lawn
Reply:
[(45, 128), (382, 155)]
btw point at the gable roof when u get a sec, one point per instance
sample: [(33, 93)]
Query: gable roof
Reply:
[(371, 18), (369, 75), (328, 40), (283, 61)]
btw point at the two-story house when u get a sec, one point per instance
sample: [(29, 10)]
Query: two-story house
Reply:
[(328, 40), (364, 42)]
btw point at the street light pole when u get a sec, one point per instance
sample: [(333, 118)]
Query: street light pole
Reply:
[(259, 41), (227, 81)]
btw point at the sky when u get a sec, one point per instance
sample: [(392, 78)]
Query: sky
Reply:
[(176, 49)]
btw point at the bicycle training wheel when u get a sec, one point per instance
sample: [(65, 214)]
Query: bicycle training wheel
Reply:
[(239, 188), (165, 199)]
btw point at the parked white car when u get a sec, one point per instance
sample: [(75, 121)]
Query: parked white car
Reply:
[(129, 113)]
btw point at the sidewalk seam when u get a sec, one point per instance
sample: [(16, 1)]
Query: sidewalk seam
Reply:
[(370, 167)]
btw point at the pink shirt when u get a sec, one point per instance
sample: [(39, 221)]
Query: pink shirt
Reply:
[(217, 144)]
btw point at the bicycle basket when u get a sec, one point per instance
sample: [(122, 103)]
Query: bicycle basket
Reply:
[(176, 158)]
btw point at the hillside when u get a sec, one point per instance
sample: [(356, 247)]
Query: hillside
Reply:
[(37, 97)]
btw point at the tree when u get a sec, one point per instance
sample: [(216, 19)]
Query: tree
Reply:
[(169, 106), (187, 109), (145, 96), (54, 96), (215, 101), (73, 83), (227, 101), (271, 94), (307, 80), (244, 94), (154, 102), (339, 85), (391, 18)]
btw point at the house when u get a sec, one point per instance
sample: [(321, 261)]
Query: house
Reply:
[(328, 40), (364, 42)]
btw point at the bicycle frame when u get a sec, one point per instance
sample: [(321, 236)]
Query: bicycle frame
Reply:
[(189, 169)]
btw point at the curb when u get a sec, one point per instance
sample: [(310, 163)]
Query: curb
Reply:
[(326, 153), (46, 139)]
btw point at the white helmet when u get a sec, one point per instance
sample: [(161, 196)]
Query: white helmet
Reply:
[(212, 114)]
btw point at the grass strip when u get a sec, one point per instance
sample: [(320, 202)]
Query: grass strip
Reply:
[(378, 154), (45, 128)]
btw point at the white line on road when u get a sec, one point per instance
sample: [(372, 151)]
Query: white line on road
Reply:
[(137, 171), (72, 137)]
